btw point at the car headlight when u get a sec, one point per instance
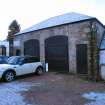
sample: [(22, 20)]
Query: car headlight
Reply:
[(2, 69)]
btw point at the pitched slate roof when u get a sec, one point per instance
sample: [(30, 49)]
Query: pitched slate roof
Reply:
[(57, 20)]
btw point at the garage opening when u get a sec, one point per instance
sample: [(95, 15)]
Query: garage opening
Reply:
[(2, 50), (56, 53), (31, 47)]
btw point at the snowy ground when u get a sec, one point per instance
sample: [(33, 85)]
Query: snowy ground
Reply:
[(10, 93), (52, 88), (97, 98)]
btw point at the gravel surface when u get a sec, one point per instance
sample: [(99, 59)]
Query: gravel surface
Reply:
[(59, 89)]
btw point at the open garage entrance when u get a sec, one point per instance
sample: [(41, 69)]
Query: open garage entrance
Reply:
[(31, 47), (56, 53), (2, 50)]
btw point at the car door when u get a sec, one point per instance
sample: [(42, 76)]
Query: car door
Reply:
[(25, 68), (34, 63)]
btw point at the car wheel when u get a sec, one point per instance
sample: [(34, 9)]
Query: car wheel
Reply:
[(9, 76), (39, 71)]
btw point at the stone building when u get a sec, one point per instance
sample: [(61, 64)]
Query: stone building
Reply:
[(4, 48), (67, 42)]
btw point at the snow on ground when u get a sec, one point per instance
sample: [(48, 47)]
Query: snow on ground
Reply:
[(97, 98), (10, 93)]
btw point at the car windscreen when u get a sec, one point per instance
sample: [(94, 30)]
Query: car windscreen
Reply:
[(15, 60)]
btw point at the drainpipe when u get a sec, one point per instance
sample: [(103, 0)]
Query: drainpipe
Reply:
[(11, 44), (11, 47)]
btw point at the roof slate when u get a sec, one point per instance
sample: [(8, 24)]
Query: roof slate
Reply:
[(57, 20)]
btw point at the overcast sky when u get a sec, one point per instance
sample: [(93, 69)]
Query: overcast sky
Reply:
[(30, 12)]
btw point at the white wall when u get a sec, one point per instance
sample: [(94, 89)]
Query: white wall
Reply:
[(102, 64), (17, 44), (102, 57)]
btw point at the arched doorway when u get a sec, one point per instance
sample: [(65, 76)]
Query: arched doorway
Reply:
[(56, 53), (31, 47), (2, 50)]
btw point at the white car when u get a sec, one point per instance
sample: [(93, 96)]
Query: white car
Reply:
[(18, 65)]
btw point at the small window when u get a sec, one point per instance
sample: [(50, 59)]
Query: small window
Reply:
[(31, 59), (26, 60), (35, 59)]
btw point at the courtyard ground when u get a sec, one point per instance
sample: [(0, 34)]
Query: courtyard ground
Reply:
[(49, 89)]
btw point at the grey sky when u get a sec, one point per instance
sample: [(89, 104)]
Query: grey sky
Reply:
[(30, 12)]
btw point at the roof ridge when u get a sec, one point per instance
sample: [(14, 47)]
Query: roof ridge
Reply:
[(57, 20)]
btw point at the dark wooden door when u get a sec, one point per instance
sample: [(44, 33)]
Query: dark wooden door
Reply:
[(31, 47), (56, 53), (81, 53), (18, 52)]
